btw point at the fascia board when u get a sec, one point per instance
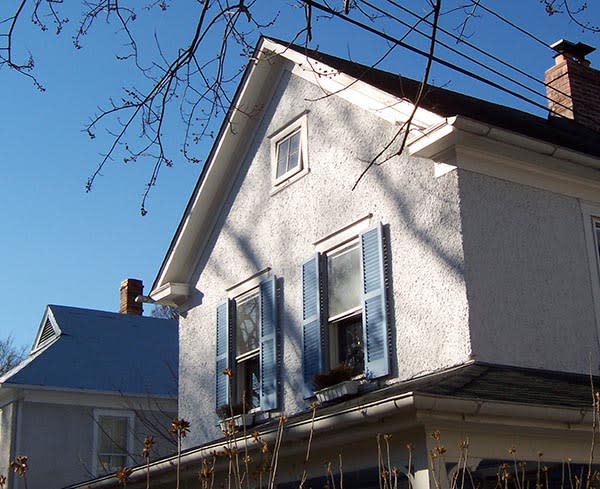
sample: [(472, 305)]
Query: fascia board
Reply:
[(502, 412), (333, 82), (220, 169)]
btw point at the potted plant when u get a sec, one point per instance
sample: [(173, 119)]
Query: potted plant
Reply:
[(335, 383), (234, 416)]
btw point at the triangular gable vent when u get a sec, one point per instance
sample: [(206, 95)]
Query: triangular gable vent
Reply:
[(47, 333)]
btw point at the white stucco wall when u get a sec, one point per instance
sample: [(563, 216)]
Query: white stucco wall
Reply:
[(258, 230), (528, 276)]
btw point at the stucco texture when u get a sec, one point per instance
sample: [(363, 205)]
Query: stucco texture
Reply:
[(429, 313), (528, 276)]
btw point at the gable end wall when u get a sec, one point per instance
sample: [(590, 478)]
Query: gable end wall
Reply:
[(258, 230)]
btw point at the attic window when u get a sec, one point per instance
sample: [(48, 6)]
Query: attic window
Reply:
[(289, 151)]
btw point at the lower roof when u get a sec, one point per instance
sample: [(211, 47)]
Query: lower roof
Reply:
[(103, 352)]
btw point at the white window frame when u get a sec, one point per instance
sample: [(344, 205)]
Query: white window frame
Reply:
[(298, 124), (100, 413)]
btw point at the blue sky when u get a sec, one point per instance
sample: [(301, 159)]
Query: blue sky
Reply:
[(62, 246)]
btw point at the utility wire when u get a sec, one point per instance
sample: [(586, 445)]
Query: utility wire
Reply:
[(456, 51), (515, 26), (420, 52), (466, 56), (466, 42)]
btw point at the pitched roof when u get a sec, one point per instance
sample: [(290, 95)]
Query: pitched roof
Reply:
[(447, 103), (103, 351), (212, 185)]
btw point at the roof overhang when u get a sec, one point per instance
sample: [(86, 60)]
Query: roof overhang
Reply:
[(466, 143), (346, 425)]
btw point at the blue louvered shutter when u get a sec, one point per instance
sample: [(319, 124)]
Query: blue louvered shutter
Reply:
[(223, 356), (375, 328), (312, 348), (268, 345)]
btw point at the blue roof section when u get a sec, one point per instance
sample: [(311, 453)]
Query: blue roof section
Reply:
[(104, 351)]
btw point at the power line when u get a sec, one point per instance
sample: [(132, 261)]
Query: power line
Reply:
[(456, 51), (512, 24), (420, 52), (467, 43), (476, 48)]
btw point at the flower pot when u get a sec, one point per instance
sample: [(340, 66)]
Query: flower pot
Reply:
[(337, 391), (236, 422)]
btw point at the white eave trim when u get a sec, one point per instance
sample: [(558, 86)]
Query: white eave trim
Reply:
[(442, 136)]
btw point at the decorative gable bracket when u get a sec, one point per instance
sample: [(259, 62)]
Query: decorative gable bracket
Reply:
[(171, 294)]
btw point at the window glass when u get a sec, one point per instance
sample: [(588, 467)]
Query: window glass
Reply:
[(112, 434), (344, 282), (249, 385), (247, 376), (247, 320), (282, 156), (112, 463), (350, 343), (112, 442), (288, 153)]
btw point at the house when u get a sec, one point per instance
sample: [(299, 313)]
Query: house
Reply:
[(93, 386), (458, 281)]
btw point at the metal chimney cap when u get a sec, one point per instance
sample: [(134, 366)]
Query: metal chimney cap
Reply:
[(579, 51)]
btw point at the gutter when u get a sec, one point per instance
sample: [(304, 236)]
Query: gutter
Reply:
[(417, 409), (429, 143), (294, 430)]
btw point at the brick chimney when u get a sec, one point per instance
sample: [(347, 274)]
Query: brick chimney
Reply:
[(129, 290), (572, 86)]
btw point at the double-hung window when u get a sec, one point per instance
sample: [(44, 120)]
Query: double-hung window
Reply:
[(247, 347), (113, 440), (344, 308), (344, 314)]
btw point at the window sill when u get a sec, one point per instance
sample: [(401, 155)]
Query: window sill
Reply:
[(285, 183)]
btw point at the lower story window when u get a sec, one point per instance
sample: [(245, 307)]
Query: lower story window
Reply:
[(344, 309), (247, 348), (113, 434)]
